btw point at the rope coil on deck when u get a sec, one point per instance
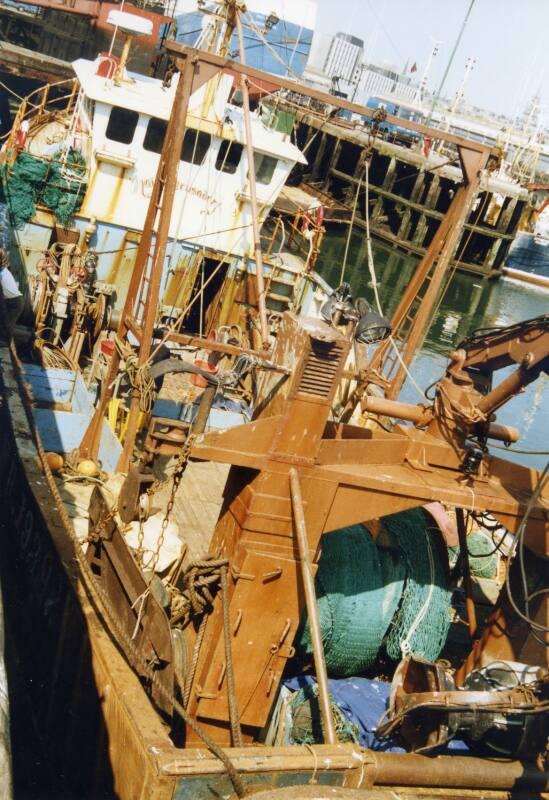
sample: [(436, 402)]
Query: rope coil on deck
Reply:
[(201, 580), (139, 376)]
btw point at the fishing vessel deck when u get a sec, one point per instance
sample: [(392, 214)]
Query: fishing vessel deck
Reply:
[(176, 483)]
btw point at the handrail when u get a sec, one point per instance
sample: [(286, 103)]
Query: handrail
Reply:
[(29, 110)]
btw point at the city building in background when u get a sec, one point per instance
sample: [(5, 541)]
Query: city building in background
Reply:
[(377, 80), (344, 59), (335, 62)]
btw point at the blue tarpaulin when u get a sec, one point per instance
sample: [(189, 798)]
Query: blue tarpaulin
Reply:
[(363, 702)]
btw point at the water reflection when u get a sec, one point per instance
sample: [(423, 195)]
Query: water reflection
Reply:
[(470, 303)]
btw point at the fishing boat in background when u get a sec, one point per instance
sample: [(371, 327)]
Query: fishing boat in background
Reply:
[(196, 423), (528, 258)]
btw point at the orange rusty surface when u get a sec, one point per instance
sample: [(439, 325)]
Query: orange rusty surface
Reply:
[(348, 475)]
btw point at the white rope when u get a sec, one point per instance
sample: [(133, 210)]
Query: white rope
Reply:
[(405, 645)]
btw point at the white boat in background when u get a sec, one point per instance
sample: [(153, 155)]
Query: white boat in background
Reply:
[(528, 258)]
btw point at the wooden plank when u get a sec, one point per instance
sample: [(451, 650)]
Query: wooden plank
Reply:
[(20, 61)]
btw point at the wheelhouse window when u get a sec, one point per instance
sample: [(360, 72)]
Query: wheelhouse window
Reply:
[(154, 135), (195, 146), (122, 124), (264, 167), (228, 156)]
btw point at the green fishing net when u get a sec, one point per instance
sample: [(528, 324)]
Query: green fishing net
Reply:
[(483, 562), (57, 184), (393, 590), (307, 719), (358, 589), (423, 619)]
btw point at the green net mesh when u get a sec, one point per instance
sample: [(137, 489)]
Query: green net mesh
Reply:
[(483, 562), (421, 624), (307, 719), (358, 590), (57, 184), (395, 589)]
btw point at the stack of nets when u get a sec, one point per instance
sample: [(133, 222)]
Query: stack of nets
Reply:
[(57, 184), (483, 561), (393, 594), (358, 589)]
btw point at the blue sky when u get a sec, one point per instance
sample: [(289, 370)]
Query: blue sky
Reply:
[(508, 38)]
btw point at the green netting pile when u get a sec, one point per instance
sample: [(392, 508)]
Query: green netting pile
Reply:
[(358, 591), (423, 619), (57, 184), (393, 592), (483, 562), (307, 719)]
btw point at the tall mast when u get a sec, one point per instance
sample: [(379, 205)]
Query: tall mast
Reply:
[(420, 92), (450, 61)]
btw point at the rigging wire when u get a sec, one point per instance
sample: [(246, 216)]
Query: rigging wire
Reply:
[(519, 544), (259, 33), (459, 258), (350, 232), (176, 325), (519, 450), (374, 282)]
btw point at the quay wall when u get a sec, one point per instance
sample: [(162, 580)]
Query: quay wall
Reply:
[(408, 193)]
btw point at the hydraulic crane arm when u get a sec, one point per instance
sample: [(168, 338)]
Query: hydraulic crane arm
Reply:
[(525, 344), (491, 349)]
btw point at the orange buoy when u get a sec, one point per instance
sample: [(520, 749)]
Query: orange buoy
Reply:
[(55, 461)]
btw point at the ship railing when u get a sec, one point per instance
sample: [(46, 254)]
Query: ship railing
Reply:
[(40, 105), (292, 228)]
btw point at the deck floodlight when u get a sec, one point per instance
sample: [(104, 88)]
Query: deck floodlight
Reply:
[(371, 326)]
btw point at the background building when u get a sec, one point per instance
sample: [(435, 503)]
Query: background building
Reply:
[(381, 80), (335, 61), (344, 58)]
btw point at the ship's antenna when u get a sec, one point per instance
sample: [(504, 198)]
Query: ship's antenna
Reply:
[(450, 62)]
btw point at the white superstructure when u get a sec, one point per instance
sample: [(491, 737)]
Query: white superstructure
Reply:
[(119, 128)]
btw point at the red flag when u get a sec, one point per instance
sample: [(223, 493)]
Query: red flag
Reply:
[(413, 68)]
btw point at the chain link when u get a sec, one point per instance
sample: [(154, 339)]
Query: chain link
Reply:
[(140, 537), (179, 469), (96, 533)]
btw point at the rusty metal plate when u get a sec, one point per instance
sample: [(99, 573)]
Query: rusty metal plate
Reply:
[(125, 589)]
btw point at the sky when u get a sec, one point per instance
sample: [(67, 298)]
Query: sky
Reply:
[(508, 38)]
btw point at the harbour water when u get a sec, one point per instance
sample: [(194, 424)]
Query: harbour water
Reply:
[(470, 303)]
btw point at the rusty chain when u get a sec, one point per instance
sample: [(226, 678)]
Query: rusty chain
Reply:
[(179, 469)]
